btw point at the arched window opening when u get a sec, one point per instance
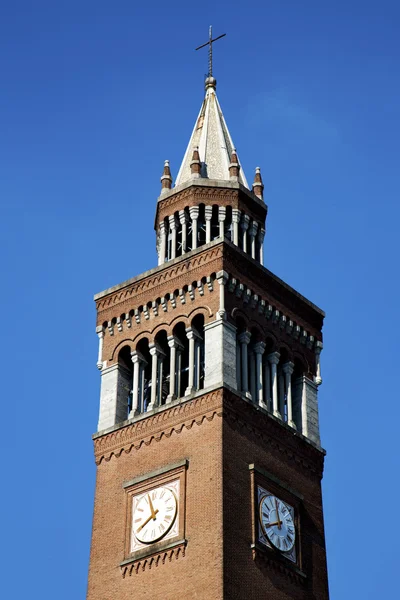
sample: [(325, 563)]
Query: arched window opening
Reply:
[(189, 229), (181, 360), (240, 236), (282, 387), (125, 373), (198, 328), (169, 238), (144, 375), (201, 226), (258, 248), (161, 356), (298, 375), (242, 341), (267, 380), (228, 231), (214, 223), (179, 244)]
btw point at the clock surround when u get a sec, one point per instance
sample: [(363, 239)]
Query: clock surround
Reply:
[(171, 480)]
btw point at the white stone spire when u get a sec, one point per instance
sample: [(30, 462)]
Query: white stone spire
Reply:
[(212, 137)]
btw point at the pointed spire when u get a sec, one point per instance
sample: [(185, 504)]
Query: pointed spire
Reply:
[(195, 165), (166, 179), (212, 138), (234, 166), (258, 185)]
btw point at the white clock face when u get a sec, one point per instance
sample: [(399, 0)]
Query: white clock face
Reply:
[(154, 514), (277, 522)]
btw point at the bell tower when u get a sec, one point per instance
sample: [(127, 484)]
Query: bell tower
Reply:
[(208, 453)]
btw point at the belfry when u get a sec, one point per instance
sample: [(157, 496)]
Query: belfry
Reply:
[(208, 452)]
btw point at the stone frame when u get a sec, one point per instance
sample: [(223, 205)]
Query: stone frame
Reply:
[(163, 476), (266, 552)]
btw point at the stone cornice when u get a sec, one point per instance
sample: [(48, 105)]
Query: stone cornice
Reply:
[(153, 559), (153, 277), (255, 280), (205, 189), (251, 420), (204, 407), (161, 423)]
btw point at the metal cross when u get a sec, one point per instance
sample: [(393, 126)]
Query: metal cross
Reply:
[(210, 43)]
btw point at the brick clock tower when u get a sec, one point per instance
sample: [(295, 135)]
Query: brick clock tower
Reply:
[(209, 462)]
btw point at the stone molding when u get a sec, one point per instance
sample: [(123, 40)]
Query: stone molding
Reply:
[(248, 418), (225, 196), (155, 425), (134, 566)]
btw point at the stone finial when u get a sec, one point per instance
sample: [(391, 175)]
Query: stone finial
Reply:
[(166, 179), (195, 165), (258, 185), (234, 166)]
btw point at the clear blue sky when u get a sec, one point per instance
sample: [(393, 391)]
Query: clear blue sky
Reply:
[(94, 96)]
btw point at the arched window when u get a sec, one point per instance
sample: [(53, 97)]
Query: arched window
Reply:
[(228, 233), (144, 361), (125, 378), (198, 327), (163, 366), (201, 226), (181, 360), (214, 223)]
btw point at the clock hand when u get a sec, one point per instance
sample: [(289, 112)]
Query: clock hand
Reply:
[(279, 523), (277, 513), (152, 516)]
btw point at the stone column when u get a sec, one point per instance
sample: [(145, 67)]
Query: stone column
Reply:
[(208, 216), (178, 371), (273, 360), (288, 371), (244, 339), (191, 334), (161, 248), (235, 223), (252, 235), (261, 235), (244, 223), (194, 215), (100, 335), (136, 359), (318, 349), (155, 353), (183, 218), (197, 362), (221, 220), (172, 224), (222, 278), (174, 345), (259, 351)]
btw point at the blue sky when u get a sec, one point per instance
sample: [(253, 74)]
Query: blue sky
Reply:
[(94, 96)]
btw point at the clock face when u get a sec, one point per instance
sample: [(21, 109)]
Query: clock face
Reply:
[(277, 522), (154, 514)]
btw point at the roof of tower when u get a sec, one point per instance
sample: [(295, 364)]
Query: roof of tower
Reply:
[(214, 142)]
